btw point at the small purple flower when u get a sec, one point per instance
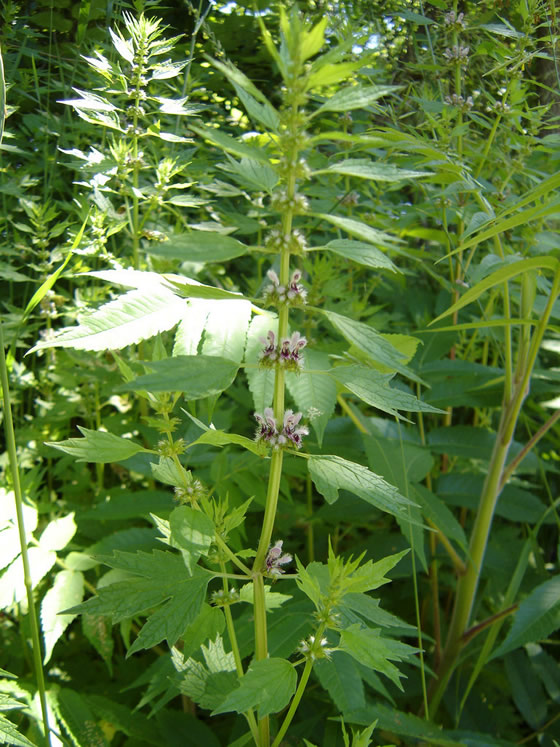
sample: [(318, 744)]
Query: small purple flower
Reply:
[(267, 429), (291, 431), (269, 354), (294, 294), (277, 558), (290, 351)]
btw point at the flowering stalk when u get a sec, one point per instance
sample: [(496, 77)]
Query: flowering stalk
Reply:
[(285, 290)]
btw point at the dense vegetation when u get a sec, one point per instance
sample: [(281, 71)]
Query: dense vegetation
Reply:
[(279, 341)]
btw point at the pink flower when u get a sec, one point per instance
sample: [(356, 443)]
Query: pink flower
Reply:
[(276, 558)]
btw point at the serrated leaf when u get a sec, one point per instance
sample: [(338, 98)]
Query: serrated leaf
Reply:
[(355, 97), (537, 617), (366, 169), (229, 144), (225, 330), (362, 231), (263, 112), (314, 393), (188, 288), (58, 533), (192, 531), (341, 678), (97, 446), (366, 646), (12, 582), (496, 278), (373, 388), (67, 591), (526, 689), (164, 580), (197, 376), (272, 599), (208, 624), (11, 735), (332, 473), (267, 685), (252, 174), (329, 73), (134, 316), (97, 629), (370, 342), (437, 512), (221, 438), (199, 246), (78, 719), (364, 254)]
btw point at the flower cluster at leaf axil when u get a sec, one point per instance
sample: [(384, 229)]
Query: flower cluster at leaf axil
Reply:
[(276, 558), (287, 354), (290, 434), (293, 293)]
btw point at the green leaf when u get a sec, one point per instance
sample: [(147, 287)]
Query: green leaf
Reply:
[(341, 678), (272, 599), (67, 591), (208, 624), (97, 446), (404, 724), (373, 388), (500, 276), (437, 512), (362, 231), (355, 97), (235, 76), (264, 112), (313, 40), (267, 685), (365, 169), (332, 473), (45, 287), (188, 288), (12, 582), (537, 617), (58, 533), (192, 531), (221, 438), (526, 689), (370, 342), (11, 735), (261, 381), (225, 330), (314, 392), (78, 718), (329, 73), (199, 246), (363, 254), (97, 629), (366, 646), (134, 316), (158, 578), (252, 174), (229, 144), (197, 376)]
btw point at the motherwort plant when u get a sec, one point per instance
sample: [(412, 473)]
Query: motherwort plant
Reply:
[(207, 586)]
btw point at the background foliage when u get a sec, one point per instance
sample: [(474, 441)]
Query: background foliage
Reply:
[(431, 267)]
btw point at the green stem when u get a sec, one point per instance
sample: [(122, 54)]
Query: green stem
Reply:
[(467, 584), (235, 650), (295, 702), (11, 443)]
